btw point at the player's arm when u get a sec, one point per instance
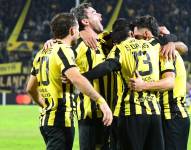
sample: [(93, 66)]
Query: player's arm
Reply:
[(84, 86), (112, 63), (166, 83), (181, 47), (102, 69), (32, 90)]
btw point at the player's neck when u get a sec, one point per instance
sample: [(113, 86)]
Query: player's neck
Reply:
[(90, 31), (66, 41)]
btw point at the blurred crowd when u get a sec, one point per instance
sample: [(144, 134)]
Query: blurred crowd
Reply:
[(172, 13)]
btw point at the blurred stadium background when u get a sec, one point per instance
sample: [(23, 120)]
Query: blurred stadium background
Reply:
[(24, 26)]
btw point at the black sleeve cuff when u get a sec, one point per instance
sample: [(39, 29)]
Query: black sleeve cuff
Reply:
[(167, 38), (66, 68)]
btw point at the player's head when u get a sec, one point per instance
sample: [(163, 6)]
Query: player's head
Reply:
[(87, 16), (63, 25), (120, 30), (145, 27)]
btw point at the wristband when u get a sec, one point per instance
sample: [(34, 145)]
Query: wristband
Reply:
[(100, 101)]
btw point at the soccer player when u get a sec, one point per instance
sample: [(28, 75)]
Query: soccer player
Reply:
[(175, 118), (56, 98), (88, 113), (92, 133)]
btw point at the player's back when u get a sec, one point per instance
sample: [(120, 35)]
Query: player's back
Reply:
[(142, 56)]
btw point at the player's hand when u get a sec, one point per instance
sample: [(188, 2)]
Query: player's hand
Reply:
[(168, 51), (107, 114), (48, 44), (136, 84), (89, 39), (163, 30), (65, 80)]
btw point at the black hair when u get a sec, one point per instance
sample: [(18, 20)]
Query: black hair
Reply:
[(120, 30), (61, 23), (80, 13), (146, 21)]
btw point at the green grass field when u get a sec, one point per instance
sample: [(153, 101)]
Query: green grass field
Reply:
[(19, 129)]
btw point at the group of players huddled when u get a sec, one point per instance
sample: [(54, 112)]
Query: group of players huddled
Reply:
[(134, 99)]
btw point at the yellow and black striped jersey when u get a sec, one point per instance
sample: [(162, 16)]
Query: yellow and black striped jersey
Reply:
[(142, 56), (48, 67), (173, 101), (86, 59)]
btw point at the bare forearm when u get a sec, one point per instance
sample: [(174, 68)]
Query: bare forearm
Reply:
[(161, 85), (181, 47)]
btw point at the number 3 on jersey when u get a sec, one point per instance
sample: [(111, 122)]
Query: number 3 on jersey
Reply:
[(44, 71), (143, 59)]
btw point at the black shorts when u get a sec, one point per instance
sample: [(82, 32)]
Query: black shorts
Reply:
[(114, 135), (93, 134), (58, 138), (143, 132), (176, 132)]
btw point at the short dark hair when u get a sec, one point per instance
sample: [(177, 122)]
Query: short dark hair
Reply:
[(61, 23), (80, 13), (120, 30), (146, 21)]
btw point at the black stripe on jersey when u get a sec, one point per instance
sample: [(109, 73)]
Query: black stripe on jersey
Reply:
[(125, 91), (61, 109), (81, 96), (161, 101), (89, 58), (115, 90), (132, 103), (60, 112), (47, 112), (64, 60), (170, 100), (74, 47), (143, 108), (108, 90), (150, 102)]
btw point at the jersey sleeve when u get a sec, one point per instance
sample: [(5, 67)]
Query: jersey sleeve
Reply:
[(166, 65), (115, 55), (34, 69), (66, 59)]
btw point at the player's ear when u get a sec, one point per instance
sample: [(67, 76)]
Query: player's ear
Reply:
[(147, 35), (72, 31), (85, 22)]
